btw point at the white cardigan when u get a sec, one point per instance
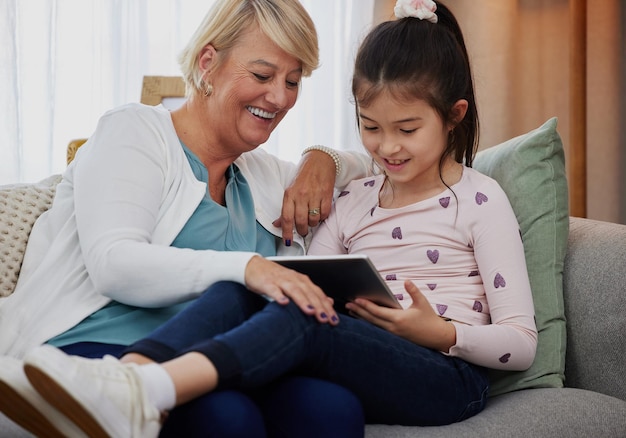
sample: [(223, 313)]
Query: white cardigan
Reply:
[(124, 251)]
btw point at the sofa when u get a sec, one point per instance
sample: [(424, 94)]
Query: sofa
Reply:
[(593, 401), (577, 385)]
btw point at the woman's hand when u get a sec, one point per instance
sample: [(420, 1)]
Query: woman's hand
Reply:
[(418, 323), (272, 280), (308, 199)]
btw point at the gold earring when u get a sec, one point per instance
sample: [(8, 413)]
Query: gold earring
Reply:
[(207, 87)]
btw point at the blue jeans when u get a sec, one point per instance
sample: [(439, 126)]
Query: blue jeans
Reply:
[(294, 406), (291, 406), (397, 381)]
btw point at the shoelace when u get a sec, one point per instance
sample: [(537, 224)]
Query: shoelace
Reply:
[(142, 414)]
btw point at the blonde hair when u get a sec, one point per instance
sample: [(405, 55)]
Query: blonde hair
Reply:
[(285, 22)]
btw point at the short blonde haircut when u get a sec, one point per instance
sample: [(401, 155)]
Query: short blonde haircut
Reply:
[(285, 22)]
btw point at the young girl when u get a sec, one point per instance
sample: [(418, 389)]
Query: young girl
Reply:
[(443, 235)]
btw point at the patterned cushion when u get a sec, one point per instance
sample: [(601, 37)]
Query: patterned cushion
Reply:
[(20, 206)]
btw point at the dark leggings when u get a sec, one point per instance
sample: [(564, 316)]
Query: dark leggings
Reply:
[(294, 406), (396, 381)]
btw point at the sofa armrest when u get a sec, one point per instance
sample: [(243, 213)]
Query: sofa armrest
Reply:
[(595, 306)]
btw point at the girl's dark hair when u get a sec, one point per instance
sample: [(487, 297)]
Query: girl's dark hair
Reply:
[(417, 59)]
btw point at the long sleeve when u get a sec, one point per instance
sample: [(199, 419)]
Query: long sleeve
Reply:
[(129, 205), (510, 341), (461, 248)]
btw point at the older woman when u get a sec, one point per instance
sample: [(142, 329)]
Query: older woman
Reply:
[(159, 206)]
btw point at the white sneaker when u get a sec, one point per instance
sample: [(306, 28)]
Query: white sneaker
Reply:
[(104, 397), (21, 403)]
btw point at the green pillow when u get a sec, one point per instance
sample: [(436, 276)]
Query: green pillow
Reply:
[(531, 170)]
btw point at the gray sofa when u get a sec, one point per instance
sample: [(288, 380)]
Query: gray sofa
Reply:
[(593, 403)]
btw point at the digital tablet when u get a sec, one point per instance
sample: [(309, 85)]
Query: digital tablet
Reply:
[(343, 277)]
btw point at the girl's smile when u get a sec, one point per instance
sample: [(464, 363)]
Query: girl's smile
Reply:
[(406, 139)]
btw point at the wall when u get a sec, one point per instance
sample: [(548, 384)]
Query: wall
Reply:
[(520, 54)]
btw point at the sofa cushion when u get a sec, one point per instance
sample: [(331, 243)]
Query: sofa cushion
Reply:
[(542, 412), (594, 292), (20, 206), (531, 170)]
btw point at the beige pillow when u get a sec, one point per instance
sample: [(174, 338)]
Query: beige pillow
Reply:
[(20, 206)]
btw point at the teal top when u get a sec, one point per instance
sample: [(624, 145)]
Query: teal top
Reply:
[(211, 226)]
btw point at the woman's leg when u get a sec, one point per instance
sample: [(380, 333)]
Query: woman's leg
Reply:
[(305, 407), (294, 406), (93, 350), (396, 380), (220, 414)]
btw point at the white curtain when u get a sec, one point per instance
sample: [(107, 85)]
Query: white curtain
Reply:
[(63, 63)]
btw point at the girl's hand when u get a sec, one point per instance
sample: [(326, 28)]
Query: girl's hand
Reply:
[(272, 280), (311, 191), (418, 323)]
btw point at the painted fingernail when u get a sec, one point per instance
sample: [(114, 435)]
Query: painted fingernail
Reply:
[(334, 318), (323, 315), (310, 307), (288, 242)]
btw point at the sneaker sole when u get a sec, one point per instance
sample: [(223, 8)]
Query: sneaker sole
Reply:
[(58, 397), (21, 412)]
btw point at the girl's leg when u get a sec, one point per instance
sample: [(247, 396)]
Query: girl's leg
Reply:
[(396, 380), (292, 407), (222, 414), (220, 308), (299, 407)]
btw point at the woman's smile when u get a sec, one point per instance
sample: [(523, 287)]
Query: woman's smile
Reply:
[(261, 113)]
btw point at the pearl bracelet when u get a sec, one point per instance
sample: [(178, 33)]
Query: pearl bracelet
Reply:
[(331, 152)]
